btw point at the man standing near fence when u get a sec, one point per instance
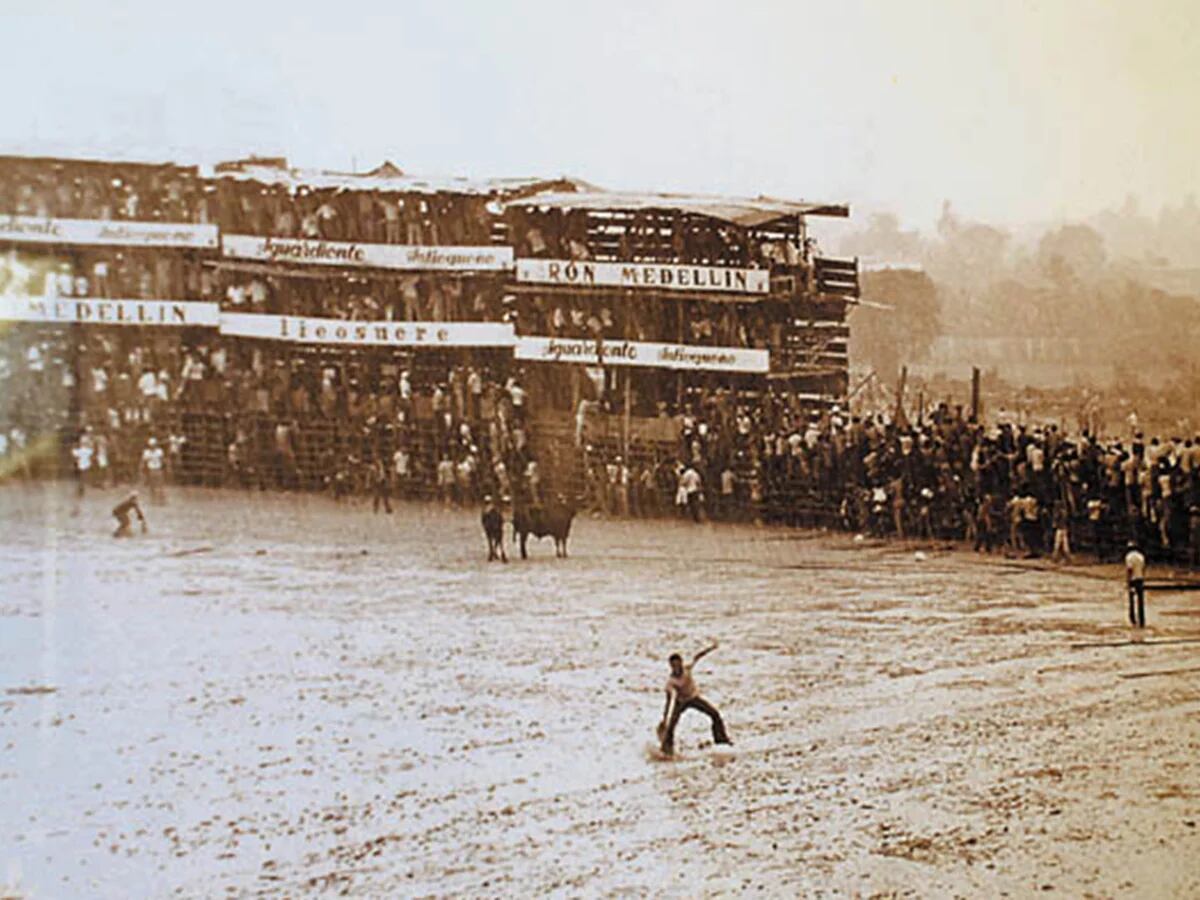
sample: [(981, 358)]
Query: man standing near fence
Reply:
[(1135, 585), (381, 486)]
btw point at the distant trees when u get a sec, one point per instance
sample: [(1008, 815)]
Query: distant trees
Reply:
[(1076, 283), (1072, 253), (885, 339)]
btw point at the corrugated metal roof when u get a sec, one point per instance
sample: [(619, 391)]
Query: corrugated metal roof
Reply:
[(740, 211), (346, 181)]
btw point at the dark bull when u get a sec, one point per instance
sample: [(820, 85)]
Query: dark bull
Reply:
[(553, 520)]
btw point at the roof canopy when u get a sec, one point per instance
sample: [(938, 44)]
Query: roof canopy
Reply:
[(385, 178), (745, 212)]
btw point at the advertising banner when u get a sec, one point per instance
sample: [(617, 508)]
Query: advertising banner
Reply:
[(641, 353), (102, 311), (662, 276), (183, 235), (307, 330), (383, 256)]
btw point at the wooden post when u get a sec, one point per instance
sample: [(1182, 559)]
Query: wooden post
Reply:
[(625, 438), (975, 411), (898, 415)]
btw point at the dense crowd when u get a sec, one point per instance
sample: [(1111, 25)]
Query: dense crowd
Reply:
[(651, 236), (481, 299), (255, 416), (106, 272), (376, 216), (106, 191), (1025, 490), (411, 298)]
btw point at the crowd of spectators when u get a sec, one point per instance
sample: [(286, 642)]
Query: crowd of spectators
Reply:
[(481, 299), (652, 236), (410, 298), (1023, 490), (110, 390), (285, 209), (110, 191), (106, 272), (255, 416)]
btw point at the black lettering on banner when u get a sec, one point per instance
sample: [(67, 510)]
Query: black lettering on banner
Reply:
[(552, 271), (179, 313), (319, 332), (629, 274), (340, 332), (401, 334), (443, 335), (82, 312), (283, 326), (740, 279), (684, 278), (420, 334), (381, 334), (665, 276)]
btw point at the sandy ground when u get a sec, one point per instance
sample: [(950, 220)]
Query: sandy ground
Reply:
[(280, 695)]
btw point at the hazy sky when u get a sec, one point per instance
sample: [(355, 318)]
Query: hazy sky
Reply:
[(1015, 110)]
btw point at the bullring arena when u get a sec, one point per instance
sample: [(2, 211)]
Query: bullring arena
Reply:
[(282, 696), (306, 677)]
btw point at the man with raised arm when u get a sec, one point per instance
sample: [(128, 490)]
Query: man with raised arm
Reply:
[(682, 694)]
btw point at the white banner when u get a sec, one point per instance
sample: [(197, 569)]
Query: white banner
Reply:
[(305, 330), (102, 231), (101, 311), (383, 256), (664, 276), (641, 353)]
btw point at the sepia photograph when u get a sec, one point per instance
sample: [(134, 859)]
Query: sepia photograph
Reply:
[(600, 449)]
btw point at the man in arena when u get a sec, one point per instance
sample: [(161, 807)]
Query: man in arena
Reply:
[(121, 512), (153, 462), (682, 694), (82, 454)]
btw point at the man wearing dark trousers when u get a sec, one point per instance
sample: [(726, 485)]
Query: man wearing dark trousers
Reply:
[(1135, 584), (682, 694)]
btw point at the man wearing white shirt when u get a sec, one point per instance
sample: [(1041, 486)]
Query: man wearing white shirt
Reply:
[(148, 388), (153, 461), (82, 455), (1135, 585)]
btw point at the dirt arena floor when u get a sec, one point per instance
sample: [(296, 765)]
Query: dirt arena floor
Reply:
[(279, 695)]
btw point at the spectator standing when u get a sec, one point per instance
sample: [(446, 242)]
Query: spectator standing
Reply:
[(1135, 585)]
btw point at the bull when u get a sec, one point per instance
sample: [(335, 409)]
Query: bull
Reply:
[(493, 528), (552, 520)]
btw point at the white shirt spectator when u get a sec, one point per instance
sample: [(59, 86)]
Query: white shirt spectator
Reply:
[(148, 384), (152, 458), (259, 292), (1135, 565), (1036, 457), (400, 463), (83, 456)]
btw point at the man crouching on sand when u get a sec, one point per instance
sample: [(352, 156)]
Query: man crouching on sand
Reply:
[(681, 695), (121, 513)]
